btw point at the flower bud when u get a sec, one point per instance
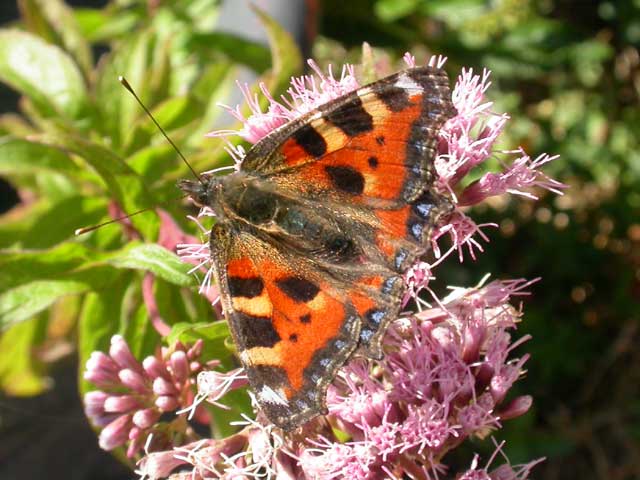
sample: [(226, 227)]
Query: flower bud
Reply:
[(516, 407), (180, 366), (133, 380), (120, 352), (163, 387), (145, 418), (196, 350), (154, 367), (167, 403), (116, 433), (121, 403)]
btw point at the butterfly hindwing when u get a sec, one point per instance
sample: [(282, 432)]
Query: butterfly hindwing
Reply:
[(293, 329)]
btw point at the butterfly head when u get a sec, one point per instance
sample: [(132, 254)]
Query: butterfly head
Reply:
[(236, 196), (203, 192)]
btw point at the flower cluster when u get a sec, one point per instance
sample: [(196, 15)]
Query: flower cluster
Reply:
[(445, 377), (133, 395), (448, 366)]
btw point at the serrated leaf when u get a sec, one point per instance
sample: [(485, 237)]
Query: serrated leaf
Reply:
[(213, 334), (25, 301), (155, 259), (99, 320), (44, 73), (54, 21), (124, 184), (44, 224), (22, 157), (286, 59), (19, 376), (118, 109), (17, 268)]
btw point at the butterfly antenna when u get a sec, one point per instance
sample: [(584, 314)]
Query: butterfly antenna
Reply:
[(83, 230), (126, 85)]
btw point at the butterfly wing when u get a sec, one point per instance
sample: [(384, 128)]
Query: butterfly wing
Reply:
[(365, 160), (292, 326), (351, 206)]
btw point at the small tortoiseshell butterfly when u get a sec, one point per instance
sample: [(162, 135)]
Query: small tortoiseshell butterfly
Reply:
[(316, 229)]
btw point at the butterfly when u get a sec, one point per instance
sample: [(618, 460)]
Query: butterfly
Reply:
[(316, 229)]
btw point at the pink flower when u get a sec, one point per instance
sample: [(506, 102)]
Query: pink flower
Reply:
[(449, 366), (134, 395), (305, 94)]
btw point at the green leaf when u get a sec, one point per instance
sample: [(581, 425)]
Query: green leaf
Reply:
[(107, 24), (25, 301), (54, 21), (118, 109), (286, 59), (45, 224), (155, 259), (140, 335), (153, 162), (214, 334), (124, 184), (22, 157), (44, 73), (213, 85), (19, 373), (171, 114), (17, 268), (100, 319), (238, 49), (391, 10)]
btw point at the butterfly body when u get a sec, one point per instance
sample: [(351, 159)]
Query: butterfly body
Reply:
[(316, 229)]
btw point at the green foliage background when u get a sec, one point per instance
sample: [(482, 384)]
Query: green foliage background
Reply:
[(567, 72)]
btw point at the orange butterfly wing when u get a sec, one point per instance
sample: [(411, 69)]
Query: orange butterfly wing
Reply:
[(350, 205)]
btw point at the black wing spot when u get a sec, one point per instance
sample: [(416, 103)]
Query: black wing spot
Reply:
[(245, 287), (277, 375), (256, 331), (306, 318), (345, 178), (310, 140), (351, 118), (293, 337), (380, 140), (373, 162), (395, 98), (298, 289)]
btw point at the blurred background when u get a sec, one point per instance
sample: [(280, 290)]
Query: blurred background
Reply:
[(568, 73)]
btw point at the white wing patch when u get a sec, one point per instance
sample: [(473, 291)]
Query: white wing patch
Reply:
[(407, 83), (269, 395)]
